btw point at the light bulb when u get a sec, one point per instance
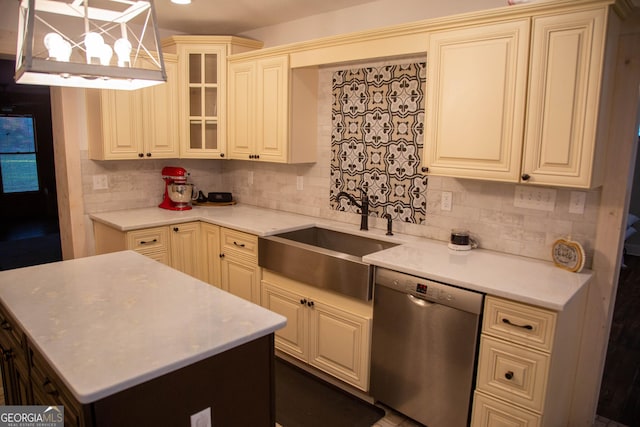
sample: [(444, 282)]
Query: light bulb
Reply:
[(123, 50), (105, 54), (93, 42), (58, 48)]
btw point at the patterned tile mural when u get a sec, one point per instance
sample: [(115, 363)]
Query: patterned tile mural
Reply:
[(377, 139)]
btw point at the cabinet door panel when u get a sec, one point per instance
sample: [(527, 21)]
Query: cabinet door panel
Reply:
[(476, 89), (488, 412), (272, 104), (566, 59), (161, 123), (122, 127), (185, 248), (241, 279), (293, 338), (241, 109), (211, 251), (339, 344)]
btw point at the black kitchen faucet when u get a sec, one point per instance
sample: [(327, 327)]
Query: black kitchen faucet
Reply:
[(363, 206)]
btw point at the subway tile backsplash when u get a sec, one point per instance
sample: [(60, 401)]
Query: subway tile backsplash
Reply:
[(485, 208)]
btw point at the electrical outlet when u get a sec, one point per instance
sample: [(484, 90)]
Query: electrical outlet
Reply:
[(542, 199), (100, 182), (202, 418), (445, 203), (299, 183), (577, 202), (250, 178)]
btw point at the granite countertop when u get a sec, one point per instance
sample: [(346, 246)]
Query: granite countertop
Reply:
[(514, 277), (110, 322)]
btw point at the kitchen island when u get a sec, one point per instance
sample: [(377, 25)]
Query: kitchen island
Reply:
[(120, 339)]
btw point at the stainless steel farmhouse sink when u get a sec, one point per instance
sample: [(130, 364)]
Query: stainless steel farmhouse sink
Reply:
[(323, 258)]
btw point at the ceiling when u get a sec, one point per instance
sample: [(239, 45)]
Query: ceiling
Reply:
[(232, 17)]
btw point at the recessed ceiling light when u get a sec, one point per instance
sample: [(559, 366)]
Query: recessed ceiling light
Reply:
[(181, 1)]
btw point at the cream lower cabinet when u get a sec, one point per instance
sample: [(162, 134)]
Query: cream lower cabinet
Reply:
[(329, 332), (272, 113), (210, 239), (134, 124), (177, 246), (506, 106), (527, 364), (186, 248), (240, 273)]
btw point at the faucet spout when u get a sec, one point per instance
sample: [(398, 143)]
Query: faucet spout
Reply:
[(363, 206)]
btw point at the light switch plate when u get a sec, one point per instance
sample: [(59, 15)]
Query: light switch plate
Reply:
[(299, 183), (577, 202), (446, 202), (100, 182), (542, 199)]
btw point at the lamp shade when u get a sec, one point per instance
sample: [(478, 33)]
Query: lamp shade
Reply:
[(71, 43)]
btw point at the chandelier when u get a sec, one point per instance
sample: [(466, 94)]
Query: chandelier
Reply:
[(110, 44)]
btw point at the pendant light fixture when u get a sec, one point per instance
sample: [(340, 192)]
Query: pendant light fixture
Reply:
[(110, 44)]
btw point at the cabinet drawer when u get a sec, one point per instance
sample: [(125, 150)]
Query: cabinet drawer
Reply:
[(489, 412), (48, 389), (520, 323), (148, 239), (512, 372), (239, 243)]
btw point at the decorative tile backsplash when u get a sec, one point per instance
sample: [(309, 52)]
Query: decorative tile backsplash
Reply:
[(377, 137)]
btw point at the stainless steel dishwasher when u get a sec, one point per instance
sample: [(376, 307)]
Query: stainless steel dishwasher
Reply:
[(424, 347)]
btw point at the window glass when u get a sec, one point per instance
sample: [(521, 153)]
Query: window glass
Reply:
[(18, 154)]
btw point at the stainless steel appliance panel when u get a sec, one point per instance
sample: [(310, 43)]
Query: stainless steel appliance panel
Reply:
[(424, 348)]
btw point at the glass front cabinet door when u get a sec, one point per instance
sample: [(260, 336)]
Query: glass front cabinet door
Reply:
[(201, 108)]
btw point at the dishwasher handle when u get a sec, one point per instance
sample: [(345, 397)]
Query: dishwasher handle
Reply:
[(419, 301)]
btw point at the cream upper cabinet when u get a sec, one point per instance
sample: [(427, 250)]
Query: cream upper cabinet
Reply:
[(476, 89), (202, 80), (567, 53), (272, 112), (134, 124), (503, 107)]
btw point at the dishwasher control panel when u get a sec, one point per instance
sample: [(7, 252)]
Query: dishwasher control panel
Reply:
[(430, 290)]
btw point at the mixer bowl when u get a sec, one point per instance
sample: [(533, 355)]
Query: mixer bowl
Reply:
[(182, 194)]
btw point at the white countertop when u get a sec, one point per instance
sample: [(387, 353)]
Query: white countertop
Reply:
[(110, 322), (518, 278), (521, 279)]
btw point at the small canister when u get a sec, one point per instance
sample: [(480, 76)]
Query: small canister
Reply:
[(460, 240)]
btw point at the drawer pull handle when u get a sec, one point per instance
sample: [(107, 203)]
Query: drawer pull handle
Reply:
[(144, 242), (508, 322), (508, 375), (49, 388), (241, 245)]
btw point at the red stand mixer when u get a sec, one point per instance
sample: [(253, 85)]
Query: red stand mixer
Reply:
[(177, 193)]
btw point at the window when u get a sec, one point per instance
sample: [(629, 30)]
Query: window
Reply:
[(18, 154)]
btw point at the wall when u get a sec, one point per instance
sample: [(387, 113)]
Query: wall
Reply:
[(485, 208), (376, 14)]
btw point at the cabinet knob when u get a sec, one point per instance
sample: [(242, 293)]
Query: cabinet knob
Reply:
[(257, 156), (140, 155), (176, 229), (148, 154), (221, 154), (303, 301), (49, 387), (508, 375), (221, 255), (424, 169), (310, 304), (526, 177), (251, 156)]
